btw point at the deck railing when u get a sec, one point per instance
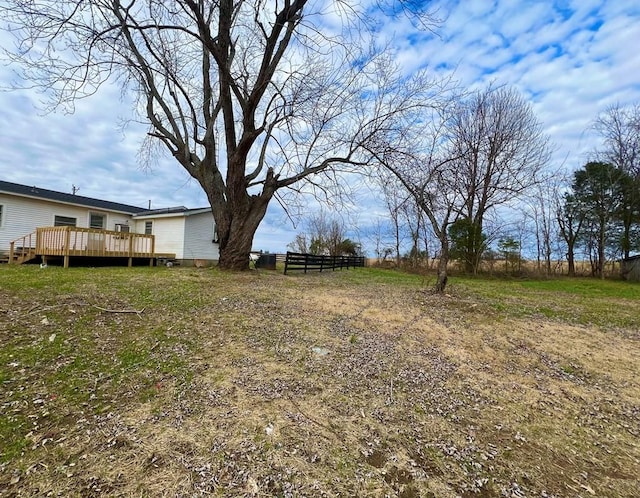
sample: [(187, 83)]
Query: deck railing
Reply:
[(91, 242)]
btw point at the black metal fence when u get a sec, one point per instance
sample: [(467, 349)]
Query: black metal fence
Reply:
[(296, 261)]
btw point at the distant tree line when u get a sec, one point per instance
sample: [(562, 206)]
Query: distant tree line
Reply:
[(483, 189), (601, 211)]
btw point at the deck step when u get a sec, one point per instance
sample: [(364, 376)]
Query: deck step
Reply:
[(25, 258)]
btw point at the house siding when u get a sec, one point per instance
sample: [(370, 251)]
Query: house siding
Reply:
[(22, 215), (169, 234), (198, 238)]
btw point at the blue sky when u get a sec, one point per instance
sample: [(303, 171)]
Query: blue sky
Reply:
[(571, 59)]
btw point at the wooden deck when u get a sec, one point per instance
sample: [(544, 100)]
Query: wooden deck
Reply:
[(68, 242)]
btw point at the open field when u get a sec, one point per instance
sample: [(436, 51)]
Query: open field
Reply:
[(353, 383)]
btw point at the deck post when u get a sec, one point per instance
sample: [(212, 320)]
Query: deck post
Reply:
[(67, 241), (11, 248), (39, 241), (153, 249), (130, 263)]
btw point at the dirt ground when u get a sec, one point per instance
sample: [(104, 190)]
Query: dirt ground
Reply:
[(272, 385)]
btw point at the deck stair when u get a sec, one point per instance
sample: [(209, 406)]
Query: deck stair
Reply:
[(22, 249)]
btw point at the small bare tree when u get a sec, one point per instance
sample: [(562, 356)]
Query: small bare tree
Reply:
[(395, 199), (378, 237), (323, 234), (427, 171), (249, 97), (299, 244), (542, 205), (418, 228)]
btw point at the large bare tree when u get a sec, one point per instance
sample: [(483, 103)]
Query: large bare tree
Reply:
[(619, 128), (250, 97), (501, 150)]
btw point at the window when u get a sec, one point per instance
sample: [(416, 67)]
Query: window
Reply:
[(64, 221), (97, 220), (148, 227)]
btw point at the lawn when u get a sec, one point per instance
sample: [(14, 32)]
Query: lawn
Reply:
[(186, 382)]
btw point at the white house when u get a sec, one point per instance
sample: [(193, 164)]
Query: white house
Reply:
[(188, 233)]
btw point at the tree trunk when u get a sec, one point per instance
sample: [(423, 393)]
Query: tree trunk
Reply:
[(626, 237), (442, 269), (396, 222), (236, 236), (601, 253), (547, 257), (234, 255), (571, 260), (476, 246), (469, 267)]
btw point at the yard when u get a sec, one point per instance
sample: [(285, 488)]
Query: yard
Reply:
[(186, 382)]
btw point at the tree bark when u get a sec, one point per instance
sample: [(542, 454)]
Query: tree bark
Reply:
[(601, 250), (236, 236), (443, 262), (571, 260)]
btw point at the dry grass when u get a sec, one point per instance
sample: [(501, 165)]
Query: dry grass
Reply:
[(357, 383)]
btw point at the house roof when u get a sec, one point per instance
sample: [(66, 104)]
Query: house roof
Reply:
[(171, 212), (52, 195)]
